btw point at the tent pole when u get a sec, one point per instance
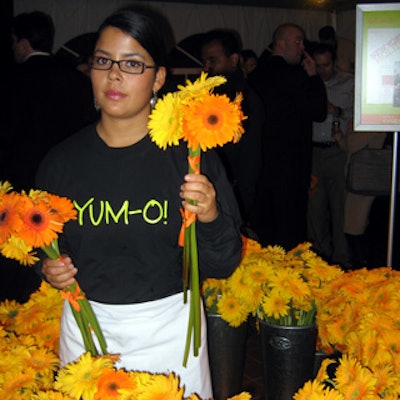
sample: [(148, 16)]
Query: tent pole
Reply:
[(393, 196)]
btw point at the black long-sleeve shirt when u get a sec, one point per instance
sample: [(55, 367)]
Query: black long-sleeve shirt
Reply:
[(125, 240)]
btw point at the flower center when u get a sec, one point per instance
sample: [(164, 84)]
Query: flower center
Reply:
[(212, 119), (37, 218), (3, 216)]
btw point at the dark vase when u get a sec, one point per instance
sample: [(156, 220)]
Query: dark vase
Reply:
[(226, 353), (288, 354)]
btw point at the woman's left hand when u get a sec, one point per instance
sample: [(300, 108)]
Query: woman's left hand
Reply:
[(200, 190)]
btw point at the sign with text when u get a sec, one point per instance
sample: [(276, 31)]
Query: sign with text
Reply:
[(377, 69)]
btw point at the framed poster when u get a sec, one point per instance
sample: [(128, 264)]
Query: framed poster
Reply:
[(377, 69)]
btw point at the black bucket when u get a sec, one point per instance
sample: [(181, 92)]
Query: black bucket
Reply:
[(288, 354), (226, 353)]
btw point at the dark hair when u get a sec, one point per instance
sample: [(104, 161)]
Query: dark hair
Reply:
[(142, 26), (37, 28), (322, 48), (327, 33), (229, 39), (248, 53)]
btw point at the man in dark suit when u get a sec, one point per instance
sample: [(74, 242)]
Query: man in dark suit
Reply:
[(46, 102), (294, 96)]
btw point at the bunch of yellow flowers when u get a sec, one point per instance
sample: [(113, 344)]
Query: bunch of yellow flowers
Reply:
[(276, 286)]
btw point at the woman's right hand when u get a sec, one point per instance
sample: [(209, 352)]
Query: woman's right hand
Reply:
[(59, 273)]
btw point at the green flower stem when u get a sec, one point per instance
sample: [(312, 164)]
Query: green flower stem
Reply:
[(85, 318), (195, 292), (91, 318), (85, 332), (188, 338), (186, 264), (191, 275)]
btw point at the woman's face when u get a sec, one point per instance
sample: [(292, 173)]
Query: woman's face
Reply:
[(120, 94)]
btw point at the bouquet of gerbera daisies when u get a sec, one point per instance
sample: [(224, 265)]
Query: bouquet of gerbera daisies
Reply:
[(34, 220), (204, 120)]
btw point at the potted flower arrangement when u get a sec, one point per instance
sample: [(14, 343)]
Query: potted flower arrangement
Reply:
[(276, 286), (280, 290)]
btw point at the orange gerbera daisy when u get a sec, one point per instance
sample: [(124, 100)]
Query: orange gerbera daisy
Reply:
[(62, 207), (112, 381), (211, 121), (40, 223), (9, 220)]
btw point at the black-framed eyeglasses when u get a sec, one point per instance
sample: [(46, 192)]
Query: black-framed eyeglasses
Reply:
[(128, 66)]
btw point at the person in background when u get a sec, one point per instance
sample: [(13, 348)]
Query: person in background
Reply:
[(131, 270), (345, 48), (325, 215), (44, 103), (294, 96), (220, 53), (357, 206), (248, 62), (40, 94)]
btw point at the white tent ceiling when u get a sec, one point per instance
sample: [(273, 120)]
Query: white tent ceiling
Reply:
[(255, 20)]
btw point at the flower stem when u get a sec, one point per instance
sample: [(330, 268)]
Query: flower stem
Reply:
[(191, 270), (81, 309)]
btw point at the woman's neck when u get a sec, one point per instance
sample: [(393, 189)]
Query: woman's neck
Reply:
[(121, 133)]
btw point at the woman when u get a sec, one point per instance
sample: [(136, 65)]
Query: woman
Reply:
[(123, 248)]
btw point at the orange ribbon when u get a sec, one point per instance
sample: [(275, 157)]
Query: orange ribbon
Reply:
[(194, 162), (188, 218), (73, 297)]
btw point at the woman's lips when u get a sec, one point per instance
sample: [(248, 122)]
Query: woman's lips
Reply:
[(115, 94)]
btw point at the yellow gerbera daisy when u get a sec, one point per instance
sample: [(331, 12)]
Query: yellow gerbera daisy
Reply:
[(274, 305), (231, 310), (241, 396), (202, 86), (165, 121), (162, 387), (5, 187), (42, 360), (386, 379), (79, 379), (15, 383), (322, 374), (311, 389), (17, 249)]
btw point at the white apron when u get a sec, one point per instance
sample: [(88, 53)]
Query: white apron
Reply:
[(149, 336)]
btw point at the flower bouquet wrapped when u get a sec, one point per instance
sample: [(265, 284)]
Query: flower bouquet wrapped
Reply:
[(204, 120), (34, 220)]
